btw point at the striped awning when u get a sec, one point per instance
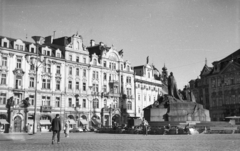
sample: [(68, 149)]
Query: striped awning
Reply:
[(45, 122), (3, 121), (137, 122), (84, 122), (96, 121), (30, 121), (72, 121)]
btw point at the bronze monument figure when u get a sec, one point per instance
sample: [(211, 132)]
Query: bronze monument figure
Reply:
[(178, 105)]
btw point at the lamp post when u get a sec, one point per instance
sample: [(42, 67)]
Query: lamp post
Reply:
[(90, 99), (35, 60)]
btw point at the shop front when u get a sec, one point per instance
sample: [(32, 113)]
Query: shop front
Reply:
[(45, 123), (3, 123)]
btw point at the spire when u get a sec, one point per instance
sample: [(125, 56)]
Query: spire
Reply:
[(147, 59), (54, 34), (164, 67), (206, 61)]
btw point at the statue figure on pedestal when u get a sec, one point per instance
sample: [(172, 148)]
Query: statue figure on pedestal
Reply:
[(172, 87)]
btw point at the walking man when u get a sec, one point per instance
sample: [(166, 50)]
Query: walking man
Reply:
[(145, 124), (56, 128)]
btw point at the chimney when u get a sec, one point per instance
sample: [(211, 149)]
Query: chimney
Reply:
[(101, 43), (48, 40), (92, 43)]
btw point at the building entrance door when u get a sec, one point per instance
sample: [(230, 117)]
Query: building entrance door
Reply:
[(17, 124)]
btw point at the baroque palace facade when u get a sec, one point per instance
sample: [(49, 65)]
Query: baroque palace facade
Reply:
[(90, 86), (218, 87)]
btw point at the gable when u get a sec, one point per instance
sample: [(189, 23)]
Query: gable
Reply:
[(231, 67), (205, 71)]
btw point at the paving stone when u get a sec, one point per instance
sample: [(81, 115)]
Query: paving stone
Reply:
[(120, 142)]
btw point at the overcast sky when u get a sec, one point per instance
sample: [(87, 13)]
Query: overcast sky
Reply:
[(179, 33)]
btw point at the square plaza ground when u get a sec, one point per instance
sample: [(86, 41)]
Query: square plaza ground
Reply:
[(120, 142)]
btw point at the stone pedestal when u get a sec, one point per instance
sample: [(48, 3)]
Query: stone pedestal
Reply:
[(25, 119), (9, 127)]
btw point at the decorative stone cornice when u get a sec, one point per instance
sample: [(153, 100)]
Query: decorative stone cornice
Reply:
[(11, 54), (18, 72)]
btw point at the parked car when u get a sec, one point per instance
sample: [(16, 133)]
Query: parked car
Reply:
[(76, 130)]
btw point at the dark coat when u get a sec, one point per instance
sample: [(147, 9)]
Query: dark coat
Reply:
[(56, 124)]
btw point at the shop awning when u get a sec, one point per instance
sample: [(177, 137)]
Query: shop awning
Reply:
[(72, 121), (84, 122), (3, 121), (30, 121), (137, 122), (45, 122), (96, 121)]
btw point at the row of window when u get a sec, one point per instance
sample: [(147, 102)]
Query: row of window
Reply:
[(145, 98), (77, 59), (77, 71), (226, 100), (46, 101)]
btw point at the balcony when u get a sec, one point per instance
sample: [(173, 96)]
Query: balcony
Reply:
[(114, 94), (46, 108), (105, 94), (114, 82), (95, 93), (129, 97)]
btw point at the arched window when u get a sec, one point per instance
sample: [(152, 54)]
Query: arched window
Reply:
[(95, 103), (129, 105)]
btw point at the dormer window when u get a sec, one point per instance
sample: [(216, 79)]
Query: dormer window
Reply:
[(5, 44), (95, 61), (48, 53), (58, 54), (70, 57), (84, 60), (77, 59), (21, 47), (32, 50), (128, 69), (104, 64), (17, 46)]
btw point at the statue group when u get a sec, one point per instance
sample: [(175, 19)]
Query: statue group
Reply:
[(184, 94), (180, 105)]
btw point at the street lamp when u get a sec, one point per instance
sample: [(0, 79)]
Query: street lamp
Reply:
[(90, 99), (36, 60)]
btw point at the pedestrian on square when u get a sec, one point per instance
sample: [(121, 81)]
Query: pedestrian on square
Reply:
[(186, 129), (145, 124), (67, 128), (56, 128)]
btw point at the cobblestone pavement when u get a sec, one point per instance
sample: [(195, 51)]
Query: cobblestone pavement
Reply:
[(120, 142)]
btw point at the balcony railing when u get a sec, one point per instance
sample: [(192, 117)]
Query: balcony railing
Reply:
[(114, 94), (46, 108), (129, 96), (105, 94)]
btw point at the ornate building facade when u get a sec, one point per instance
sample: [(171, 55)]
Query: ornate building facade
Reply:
[(218, 87), (18, 80), (149, 85), (90, 86)]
